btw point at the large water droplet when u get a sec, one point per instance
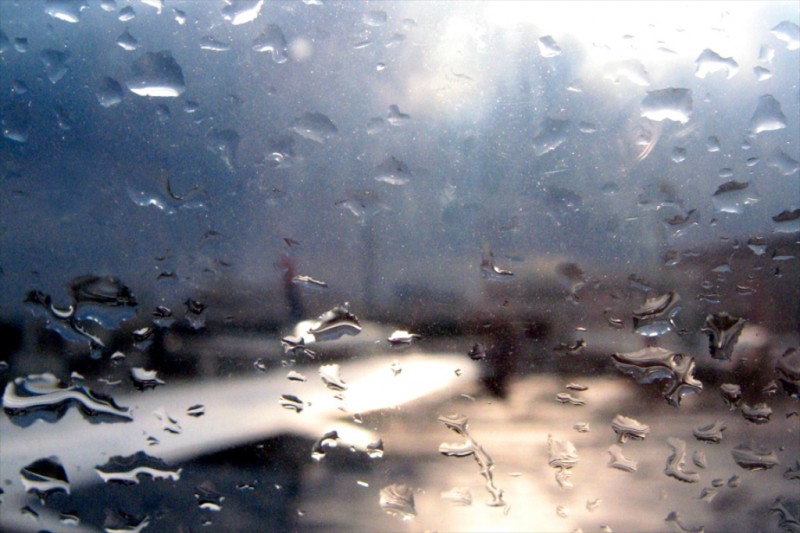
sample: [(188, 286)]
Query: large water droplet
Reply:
[(676, 462), (328, 440), (45, 397), (127, 469), (710, 432), (241, 11), (156, 74), (44, 478), (291, 402), (657, 315), (314, 127), (126, 14), (668, 104), (757, 414), (754, 458), (109, 93), (655, 363), (127, 42), (628, 428), (54, 62), (145, 379), (732, 196), (548, 47), (66, 10), (787, 221), (331, 378), (273, 41), (710, 62), (768, 115), (335, 323), (397, 500), (788, 32), (563, 456), (552, 133), (723, 331)]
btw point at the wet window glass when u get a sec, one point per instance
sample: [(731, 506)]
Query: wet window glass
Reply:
[(319, 265)]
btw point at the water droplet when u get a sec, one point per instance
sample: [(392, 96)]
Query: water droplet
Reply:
[(668, 104), (678, 154), (460, 425), (713, 145), (44, 478), (785, 164), (458, 496), (374, 18), (710, 432), (15, 123), (582, 427), (657, 315), (126, 14), (591, 505), (66, 10), (709, 62), (180, 16), (168, 424), (787, 221), (314, 127), (127, 469), (156, 74), (793, 472), (563, 456), (402, 338), (273, 41), (241, 11), (54, 63), (761, 73), (127, 42), (733, 196), (576, 387), (208, 499), (69, 519), (328, 440), (214, 45), (291, 402), (492, 272), (397, 500), (330, 376), (224, 144), (396, 118), (788, 32), (708, 494), (699, 459), (21, 44), (732, 394), (196, 411), (293, 375), (723, 331), (754, 458), (565, 397), (335, 323), (109, 93), (676, 462), (768, 115), (631, 70), (45, 397), (144, 379), (375, 125), (477, 352), (552, 134), (587, 127), (655, 363), (619, 461), (628, 428), (392, 171), (788, 370), (548, 47), (757, 414), (375, 449), (674, 520), (562, 511)]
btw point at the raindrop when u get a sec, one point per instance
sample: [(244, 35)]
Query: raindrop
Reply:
[(788, 370), (460, 425), (374, 18), (213, 45), (631, 70), (127, 13), (127, 42), (710, 432), (397, 500), (45, 397), (587, 127), (699, 459), (655, 363), (766, 54), (108, 5), (458, 496), (576, 387), (375, 449), (758, 458), (582, 427), (732, 394), (66, 10), (54, 64), (619, 461), (180, 16), (788, 32), (563, 456), (548, 47), (723, 331), (768, 115), (156, 74), (552, 134), (196, 411), (127, 469), (16, 124), (785, 164), (761, 73), (328, 440), (21, 44), (732, 196), (44, 478), (793, 472), (208, 499), (144, 379), (710, 62), (69, 519), (477, 352), (241, 11), (104, 290), (293, 375), (676, 462), (492, 272), (273, 41), (565, 397), (335, 323), (628, 428), (591, 505), (400, 338), (109, 93), (656, 316), (363, 204), (392, 171), (375, 125), (707, 494), (168, 424), (331, 378), (734, 482), (395, 117), (291, 402), (713, 145), (757, 414), (674, 520), (678, 155), (668, 104), (787, 221), (562, 511), (314, 127)]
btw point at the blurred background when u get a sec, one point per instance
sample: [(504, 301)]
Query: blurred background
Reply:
[(236, 226)]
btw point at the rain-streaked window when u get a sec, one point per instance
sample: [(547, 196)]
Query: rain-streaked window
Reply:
[(319, 265)]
